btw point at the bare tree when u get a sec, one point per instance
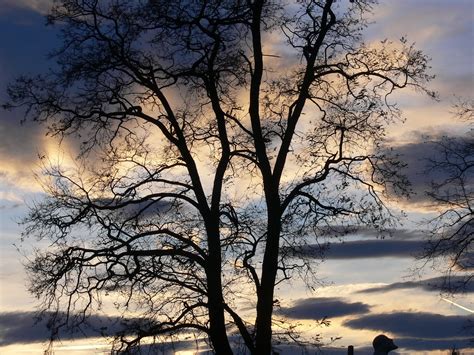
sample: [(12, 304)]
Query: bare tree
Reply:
[(216, 135), (452, 193)]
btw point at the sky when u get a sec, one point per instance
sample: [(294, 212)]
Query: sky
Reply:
[(368, 285)]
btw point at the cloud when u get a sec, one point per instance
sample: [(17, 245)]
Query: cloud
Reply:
[(367, 231), (11, 197), (414, 324), (416, 19), (323, 307), (432, 284), (418, 154), (24, 327), (433, 344), (413, 331), (466, 261), (439, 28), (142, 209), (19, 149), (20, 144), (375, 248), (39, 6)]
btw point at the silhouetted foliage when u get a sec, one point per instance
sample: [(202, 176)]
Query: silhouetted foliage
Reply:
[(452, 193), (216, 136)]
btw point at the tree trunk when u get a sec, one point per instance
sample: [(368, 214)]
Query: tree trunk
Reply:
[(217, 329), (267, 286)]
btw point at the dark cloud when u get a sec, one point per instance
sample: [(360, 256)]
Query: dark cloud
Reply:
[(22, 53), (418, 156), (376, 243), (414, 325), (367, 231), (466, 261), (412, 331), (432, 284), (433, 344), (20, 143), (32, 39), (25, 327), (323, 307), (375, 248), (138, 209), (415, 156), (12, 6)]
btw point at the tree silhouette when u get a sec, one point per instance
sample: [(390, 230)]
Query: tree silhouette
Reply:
[(216, 136), (452, 193)]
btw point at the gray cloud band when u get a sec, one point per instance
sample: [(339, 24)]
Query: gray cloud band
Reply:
[(376, 248), (432, 284), (323, 307), (416, 325), (25, 327)]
